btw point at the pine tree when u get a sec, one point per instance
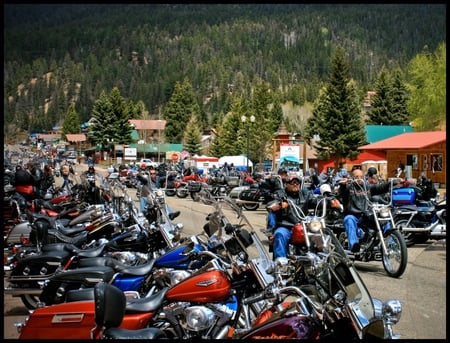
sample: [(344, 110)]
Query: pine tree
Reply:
[(181, 107), (381, 105), (192, 140), (400, 97), (388, 106), (336, 117), (72, 122)]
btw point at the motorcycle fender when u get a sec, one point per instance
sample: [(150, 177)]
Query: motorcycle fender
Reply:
[(295, 327)]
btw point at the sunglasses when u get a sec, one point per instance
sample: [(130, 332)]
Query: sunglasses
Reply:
[(295, 183), (152, 173)]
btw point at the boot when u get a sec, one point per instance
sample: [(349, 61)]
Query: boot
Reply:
[(173, 215)]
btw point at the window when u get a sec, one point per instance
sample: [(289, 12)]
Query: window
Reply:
[(436, 162), (413, 161)]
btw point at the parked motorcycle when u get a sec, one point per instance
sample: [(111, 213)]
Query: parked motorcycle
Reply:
[(253, 196), (418, 215)]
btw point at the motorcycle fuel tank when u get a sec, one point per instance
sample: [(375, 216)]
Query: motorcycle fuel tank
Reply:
[(210, 286), (295, 327), (176, 257)]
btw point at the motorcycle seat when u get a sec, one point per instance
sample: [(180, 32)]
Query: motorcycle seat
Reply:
[(71, 230), (142, 269), (147, 304), (109, 312), (94, 252)]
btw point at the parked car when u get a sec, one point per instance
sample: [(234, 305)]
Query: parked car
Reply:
[(148, 163)]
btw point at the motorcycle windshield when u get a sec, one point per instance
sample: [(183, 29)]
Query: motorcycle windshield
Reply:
[(359, 300)]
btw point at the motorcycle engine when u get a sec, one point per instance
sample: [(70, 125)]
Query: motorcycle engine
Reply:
[(199, 318)]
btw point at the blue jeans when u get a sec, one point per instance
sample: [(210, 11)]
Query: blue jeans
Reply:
[(354, 233), (281, 239)]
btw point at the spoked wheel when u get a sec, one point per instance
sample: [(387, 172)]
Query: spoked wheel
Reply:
[(409, 237), (396, 259), (182, 192), (30, 301)]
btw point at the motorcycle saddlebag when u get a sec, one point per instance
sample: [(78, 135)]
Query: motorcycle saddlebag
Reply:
[(403, 196), (194, 186), (251, 194), (232, 181)]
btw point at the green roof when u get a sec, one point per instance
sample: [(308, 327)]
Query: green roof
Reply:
[(154, 148), (134, 135), (375, 133)]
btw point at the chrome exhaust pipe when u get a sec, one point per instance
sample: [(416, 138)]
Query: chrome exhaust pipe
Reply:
[(16, 292)]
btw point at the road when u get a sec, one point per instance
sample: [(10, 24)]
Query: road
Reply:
[(421, 289)]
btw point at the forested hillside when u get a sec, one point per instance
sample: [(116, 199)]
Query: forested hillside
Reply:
[(56, 55)]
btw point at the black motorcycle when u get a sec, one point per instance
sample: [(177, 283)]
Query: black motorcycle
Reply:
[(417, 214), (382, 240)]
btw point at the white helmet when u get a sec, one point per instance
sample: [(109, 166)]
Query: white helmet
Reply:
[(325, 188)]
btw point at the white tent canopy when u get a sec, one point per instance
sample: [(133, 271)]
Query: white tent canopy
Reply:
[(238, 161)]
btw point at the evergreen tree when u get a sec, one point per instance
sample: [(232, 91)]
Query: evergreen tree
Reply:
[(192, 140), (267, 119), (400, 97), (72, 122), (381, 105), (122, 112), (336, 117), (231, 135), (388, 106), (181, 107), (101, 128)]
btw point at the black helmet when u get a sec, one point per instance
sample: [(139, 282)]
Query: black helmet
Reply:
[(371, 171)]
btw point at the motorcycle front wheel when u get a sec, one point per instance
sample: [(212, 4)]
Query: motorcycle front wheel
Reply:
[(170, 192), (182, 192), (396, 259), (251, 207)]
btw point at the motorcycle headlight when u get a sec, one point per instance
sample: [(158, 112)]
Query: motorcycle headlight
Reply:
[(384, 212), (392, 311), (315, 226)]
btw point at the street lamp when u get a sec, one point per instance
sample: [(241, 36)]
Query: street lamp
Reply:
[(244, 121), (159, 139), (110, 150)]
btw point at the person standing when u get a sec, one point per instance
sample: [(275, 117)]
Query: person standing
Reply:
[(65, 173), (47, 180)]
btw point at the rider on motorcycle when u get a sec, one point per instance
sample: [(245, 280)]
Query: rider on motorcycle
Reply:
[(282, 216), (355, 196)]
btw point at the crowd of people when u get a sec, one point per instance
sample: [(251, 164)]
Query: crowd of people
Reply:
[(280, 221)]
